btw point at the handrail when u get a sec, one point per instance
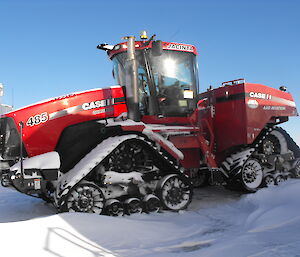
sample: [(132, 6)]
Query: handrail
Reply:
[(233, 82)]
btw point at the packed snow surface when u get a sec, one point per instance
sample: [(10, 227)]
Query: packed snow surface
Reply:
[(217, 223)]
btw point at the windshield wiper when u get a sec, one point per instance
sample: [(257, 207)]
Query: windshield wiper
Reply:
[(153, 103)]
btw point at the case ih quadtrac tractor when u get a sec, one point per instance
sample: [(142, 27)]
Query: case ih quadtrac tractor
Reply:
[(144, 144)]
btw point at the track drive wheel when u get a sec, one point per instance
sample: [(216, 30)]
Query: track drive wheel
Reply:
[(84, 197), (273, 144), (174, 193), (251, 175)]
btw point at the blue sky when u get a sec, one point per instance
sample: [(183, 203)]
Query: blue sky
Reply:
[(48, 47)]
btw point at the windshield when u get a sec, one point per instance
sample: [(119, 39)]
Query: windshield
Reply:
[(173, 74), (173, 69)]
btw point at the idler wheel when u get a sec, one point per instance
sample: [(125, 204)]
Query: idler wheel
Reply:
[(269, 181), (151, 203), (114, 207), (133, 205), (279, 179)]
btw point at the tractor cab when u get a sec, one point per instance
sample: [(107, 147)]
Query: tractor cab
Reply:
[(166, 76)]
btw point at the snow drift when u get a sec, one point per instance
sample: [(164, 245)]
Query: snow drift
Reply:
[(218, 223)]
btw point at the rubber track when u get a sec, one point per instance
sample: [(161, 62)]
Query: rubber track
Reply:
[(86, 164), (161, 159), (292, 145), (234, 183)]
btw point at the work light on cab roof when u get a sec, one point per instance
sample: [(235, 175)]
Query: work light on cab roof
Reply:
[(143, 35)]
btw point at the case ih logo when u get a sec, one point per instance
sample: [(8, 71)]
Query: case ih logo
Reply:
[(180, 47), (260, 95), (97, 104)]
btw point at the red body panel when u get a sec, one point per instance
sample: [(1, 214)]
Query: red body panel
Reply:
[(230, 116), (241, 111), (165, 120), (272, 103), (59, 113), (190, 147)]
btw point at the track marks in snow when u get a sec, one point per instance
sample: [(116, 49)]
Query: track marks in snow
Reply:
[(282, 224), (285, 250), (188, 246)]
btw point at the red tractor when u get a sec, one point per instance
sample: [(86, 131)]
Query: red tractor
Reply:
[(144, 144)]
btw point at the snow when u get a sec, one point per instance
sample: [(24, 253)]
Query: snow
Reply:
[(48, 160), (158, 138), (217, 223), (112, 177), (150, 133), (91, 160)]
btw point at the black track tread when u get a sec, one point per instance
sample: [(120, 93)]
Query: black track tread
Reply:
[(292, 145), (160, 159), (164, 161), (235, 184)]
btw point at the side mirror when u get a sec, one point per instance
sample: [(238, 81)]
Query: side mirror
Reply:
[(157, 48)]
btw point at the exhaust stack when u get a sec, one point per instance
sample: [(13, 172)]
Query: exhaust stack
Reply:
[(131, 81)]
